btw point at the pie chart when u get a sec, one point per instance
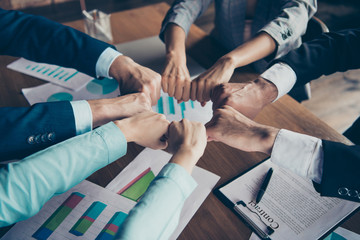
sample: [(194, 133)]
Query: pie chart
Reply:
[(60, 96), (103, 86)]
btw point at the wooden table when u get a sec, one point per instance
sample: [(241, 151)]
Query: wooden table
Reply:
[(213, 220)]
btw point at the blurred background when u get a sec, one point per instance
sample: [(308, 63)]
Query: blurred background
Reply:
[(335, 98)]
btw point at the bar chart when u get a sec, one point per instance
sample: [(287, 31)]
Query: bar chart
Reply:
[(87, 219), (58, 216), (138, 186), (87, 211), (111, 228), (176, 111), (66, 77)]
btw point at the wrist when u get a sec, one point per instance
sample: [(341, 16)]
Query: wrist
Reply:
[(186, 157), (267, 90), (228, 61), (121, 68), (266, 136), (125, 128)]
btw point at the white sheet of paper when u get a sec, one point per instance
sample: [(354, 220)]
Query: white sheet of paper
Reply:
[(92, 192), (66, 77), (96, 89), (156, 159), (290, 204)]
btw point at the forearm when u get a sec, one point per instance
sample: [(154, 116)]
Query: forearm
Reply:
[(157, 213), (26, 185), (174, 40), (259, 47)]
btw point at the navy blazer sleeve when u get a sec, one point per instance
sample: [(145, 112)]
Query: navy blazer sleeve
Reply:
[(341, 171), (25, 130), (39, 39), (330, 53)]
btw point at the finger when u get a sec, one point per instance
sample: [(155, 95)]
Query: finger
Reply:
[(193, 90), (171, 86), (179, 89), (200, 90), (186, 91), (206, 93), (162, 145)]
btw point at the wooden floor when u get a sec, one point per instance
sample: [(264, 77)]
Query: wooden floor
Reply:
[(335, 99)]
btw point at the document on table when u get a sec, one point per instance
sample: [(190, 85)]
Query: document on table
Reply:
[(87, 211), (95, 89), (290, 205), (66, 77), (133, 180)]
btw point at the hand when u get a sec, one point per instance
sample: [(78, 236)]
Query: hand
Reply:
[(107, 110), (187, 140), (202, 86), (248, 98), (175, 77), (146, 129), (133, 78), (236, 130)]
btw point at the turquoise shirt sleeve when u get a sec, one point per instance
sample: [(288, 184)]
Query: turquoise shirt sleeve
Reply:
[(157, 214), (28, 184)]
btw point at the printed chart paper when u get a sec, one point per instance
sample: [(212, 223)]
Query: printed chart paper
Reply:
[(87, 211), (66, 77), (153, 161), (95, 89)]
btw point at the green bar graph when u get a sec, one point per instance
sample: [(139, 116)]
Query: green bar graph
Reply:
[(139, 187), (58, 216), (192, 104), (88, 218), (63, 75), (46, 71), (34, 67)]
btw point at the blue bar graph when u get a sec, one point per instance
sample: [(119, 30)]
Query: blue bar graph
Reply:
[(160, 106), (183, 108), (171, 105)]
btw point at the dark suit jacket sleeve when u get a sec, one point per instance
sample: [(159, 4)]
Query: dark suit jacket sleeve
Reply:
[(341, 171), (39, 39), (27, 130), (330, 53)]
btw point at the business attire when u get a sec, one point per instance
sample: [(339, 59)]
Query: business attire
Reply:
[(334, 167), (285, 21), (28, 184), (26, 130)]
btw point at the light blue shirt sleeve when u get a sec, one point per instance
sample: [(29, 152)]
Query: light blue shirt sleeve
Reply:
[(158, 212), (83, 116), (28, 184), (104, 62)]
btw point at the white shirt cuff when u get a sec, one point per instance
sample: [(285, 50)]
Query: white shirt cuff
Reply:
[(83, 116), (301, 154), (283, 76), (104, 62)]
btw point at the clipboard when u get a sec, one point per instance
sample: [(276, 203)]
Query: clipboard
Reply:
[(238, 208)]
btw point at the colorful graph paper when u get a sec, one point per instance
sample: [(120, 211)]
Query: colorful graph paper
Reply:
[(111, 228), (88, 218), (58, 216), (137, 187)]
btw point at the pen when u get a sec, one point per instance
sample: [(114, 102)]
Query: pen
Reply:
[(264, 185)]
